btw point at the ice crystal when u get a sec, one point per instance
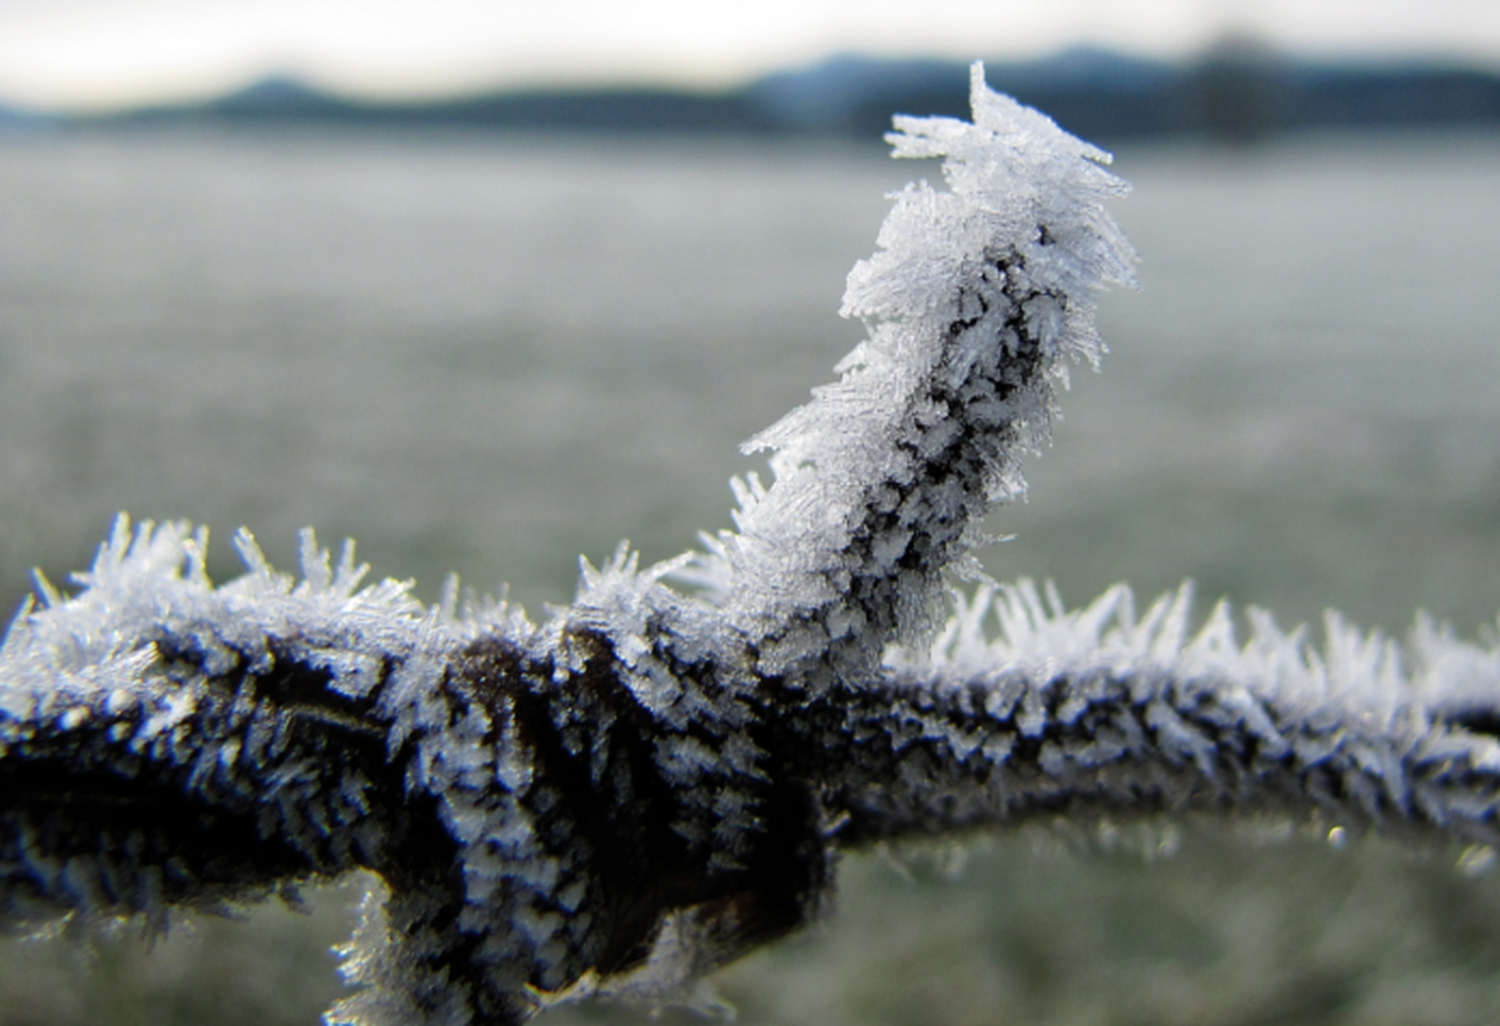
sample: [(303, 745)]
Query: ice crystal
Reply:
[(652, 782), (977, 301)]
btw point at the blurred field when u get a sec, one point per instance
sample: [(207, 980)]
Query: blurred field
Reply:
[(491, 355)]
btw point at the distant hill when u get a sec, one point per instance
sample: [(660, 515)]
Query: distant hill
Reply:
[(1084, 89), (12, 119), (1237, 90)]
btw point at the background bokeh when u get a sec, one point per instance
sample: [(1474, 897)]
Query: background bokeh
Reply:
[(491, 355), (489, 352)]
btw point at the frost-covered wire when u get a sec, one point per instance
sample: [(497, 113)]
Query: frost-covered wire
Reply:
[(655, 780), (977, 301)]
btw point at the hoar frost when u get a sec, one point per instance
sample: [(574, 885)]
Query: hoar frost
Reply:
[(655, 780), (978, 300)]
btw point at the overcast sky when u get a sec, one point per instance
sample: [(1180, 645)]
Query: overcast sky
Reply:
[(91, 53)]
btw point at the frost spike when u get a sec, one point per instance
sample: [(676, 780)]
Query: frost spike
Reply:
[(977, 301)]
